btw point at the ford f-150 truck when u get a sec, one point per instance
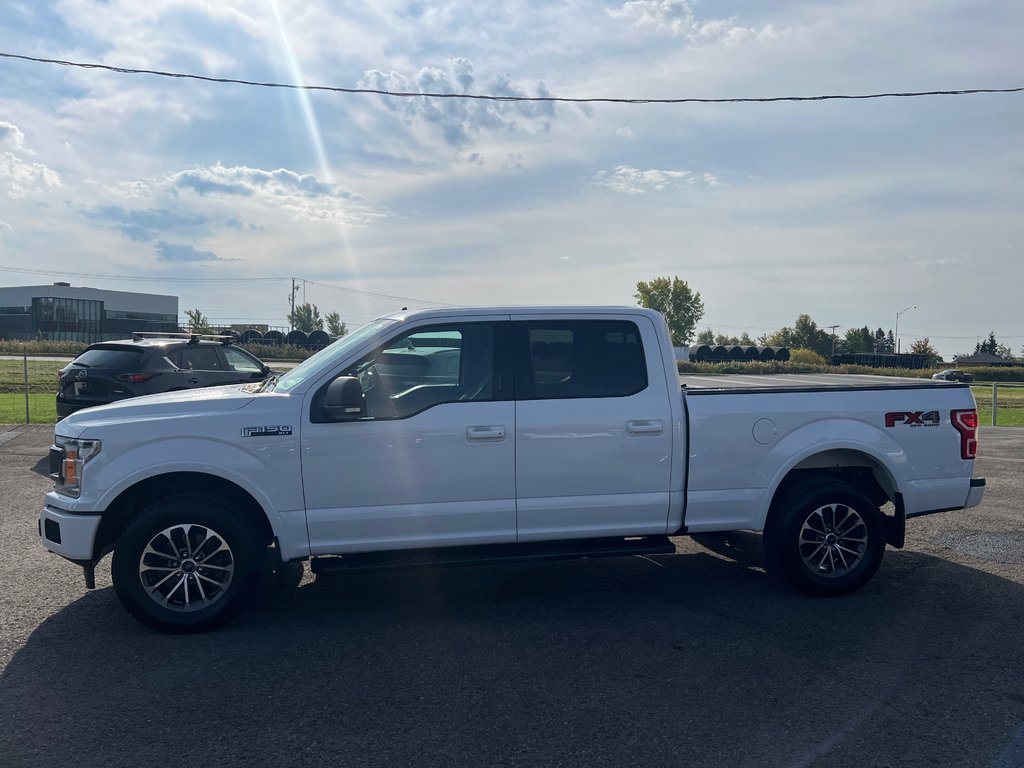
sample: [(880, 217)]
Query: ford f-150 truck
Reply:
[(494, 434)]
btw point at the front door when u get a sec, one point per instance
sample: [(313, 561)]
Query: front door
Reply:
[(432, 460)]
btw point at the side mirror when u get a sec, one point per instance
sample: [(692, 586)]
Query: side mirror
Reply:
[(266, 370), (343, 400)]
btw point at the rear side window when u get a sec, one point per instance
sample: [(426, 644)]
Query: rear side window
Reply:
[(110, 358), (196, 358), (584, 358)]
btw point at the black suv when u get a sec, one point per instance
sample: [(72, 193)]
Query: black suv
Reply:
[(150, 363)]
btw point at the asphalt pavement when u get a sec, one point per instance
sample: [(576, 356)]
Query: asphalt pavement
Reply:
[(693, 659)]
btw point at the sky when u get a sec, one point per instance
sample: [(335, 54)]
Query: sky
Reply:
[(847, 210)]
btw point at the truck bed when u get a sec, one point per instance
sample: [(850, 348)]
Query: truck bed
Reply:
[(696, 384)]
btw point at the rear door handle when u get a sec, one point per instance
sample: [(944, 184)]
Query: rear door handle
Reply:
[(644, 427), (485, 434)]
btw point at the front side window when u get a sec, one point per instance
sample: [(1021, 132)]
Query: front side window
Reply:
[(427, 367), (585, 358)]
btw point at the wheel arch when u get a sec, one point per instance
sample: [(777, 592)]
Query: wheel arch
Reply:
[(133, 498), (854, 467)]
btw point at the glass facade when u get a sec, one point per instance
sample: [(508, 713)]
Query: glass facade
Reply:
[(67, 319)]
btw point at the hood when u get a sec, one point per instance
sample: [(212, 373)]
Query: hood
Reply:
[(180, 404)]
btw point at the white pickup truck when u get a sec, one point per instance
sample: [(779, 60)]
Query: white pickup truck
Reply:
[(494, 434)]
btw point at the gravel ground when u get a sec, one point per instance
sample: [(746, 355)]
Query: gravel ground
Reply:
[(694, 659)]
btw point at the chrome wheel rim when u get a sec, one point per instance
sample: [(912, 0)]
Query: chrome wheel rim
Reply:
[(833, 540), (186, 567)]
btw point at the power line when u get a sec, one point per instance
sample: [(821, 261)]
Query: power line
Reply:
[(492, 97), (161, 278)]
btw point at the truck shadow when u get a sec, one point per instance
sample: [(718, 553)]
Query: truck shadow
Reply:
[(698, 658)]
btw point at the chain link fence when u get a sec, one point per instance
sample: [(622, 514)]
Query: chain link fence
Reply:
[(28, 388)]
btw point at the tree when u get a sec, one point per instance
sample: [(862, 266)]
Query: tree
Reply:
[(858, 340), (882, 345), (197, 322), (707, 336), (988, 347), (681, 307), (335, 326), (924, 347), (306, 318), (780, 338)]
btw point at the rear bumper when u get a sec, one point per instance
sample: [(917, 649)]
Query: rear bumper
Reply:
[(976, 492), (68, 535)]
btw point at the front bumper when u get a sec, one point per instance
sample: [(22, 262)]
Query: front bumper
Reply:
[(70, 536)]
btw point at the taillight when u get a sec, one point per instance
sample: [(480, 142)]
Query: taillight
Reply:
[(135, 378), (966, 423)]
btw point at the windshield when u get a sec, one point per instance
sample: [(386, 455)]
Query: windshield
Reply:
[(325, 357)]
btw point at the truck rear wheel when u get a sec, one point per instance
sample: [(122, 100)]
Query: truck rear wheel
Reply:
[(827, 537), (185, 564)]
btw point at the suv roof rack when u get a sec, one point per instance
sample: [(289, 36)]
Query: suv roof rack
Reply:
[(193, 338)]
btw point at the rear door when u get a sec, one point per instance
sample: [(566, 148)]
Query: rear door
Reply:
[(593, 429)]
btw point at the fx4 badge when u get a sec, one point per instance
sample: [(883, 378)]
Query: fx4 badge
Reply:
[(271, 431), (913, 418)]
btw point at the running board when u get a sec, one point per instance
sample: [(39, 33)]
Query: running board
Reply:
[(402, 559)]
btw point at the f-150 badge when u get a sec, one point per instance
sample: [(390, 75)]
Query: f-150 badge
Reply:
[(269, 431)]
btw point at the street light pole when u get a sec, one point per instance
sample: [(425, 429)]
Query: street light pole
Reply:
[(898, 326)]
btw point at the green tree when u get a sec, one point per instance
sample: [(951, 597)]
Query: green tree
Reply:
[(780, 338), (707, 336), (197, 322), (682, 308), (882, 343), (335, 326), (306, 318), (858, 340), (924, 347), (990, 346)]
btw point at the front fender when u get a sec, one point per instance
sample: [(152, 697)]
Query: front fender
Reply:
[(107, 476)]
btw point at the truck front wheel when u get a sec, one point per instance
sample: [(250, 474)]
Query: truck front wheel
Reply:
[(185, 563), (827, 537)]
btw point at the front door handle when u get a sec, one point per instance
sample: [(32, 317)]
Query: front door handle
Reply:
[(486, 434), (644, 427)]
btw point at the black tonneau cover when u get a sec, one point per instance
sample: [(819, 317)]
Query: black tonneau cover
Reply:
[(696, 384)]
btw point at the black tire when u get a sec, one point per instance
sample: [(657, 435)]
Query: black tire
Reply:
[(196, 592), (826, 537)]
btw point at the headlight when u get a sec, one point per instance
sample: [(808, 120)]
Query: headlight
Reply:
[(67, 459)]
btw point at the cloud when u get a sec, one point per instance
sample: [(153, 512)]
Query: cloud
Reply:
[(26, 178), (301, 195), (5, 227), (677, 19), (11, 135), (146, 224), (462, 120), (176, 252), (633, 181)]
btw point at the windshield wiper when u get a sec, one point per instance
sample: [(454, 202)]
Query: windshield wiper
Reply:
[(269, 383)]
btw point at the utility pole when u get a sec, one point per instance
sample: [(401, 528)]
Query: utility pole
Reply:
[(291, 300), (833, 327)]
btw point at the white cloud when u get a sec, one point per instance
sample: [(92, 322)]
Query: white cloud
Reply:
[(5, 227), (633, 181), (11, 135), (300, 195), (625, 132), (677, 18), (26, 178), (462, 120)]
